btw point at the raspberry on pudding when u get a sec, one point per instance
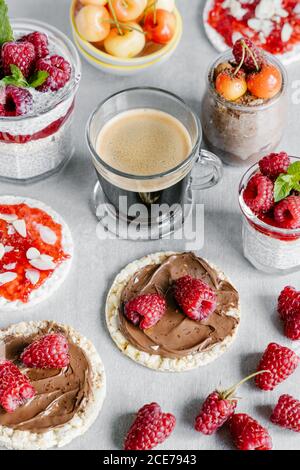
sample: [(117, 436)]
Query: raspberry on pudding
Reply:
[(38, 82), (270, 204), (245, 104)]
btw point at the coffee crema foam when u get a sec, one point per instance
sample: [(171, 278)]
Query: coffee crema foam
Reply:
[(144, 142)]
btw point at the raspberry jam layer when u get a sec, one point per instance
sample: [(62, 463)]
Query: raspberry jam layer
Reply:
[(21, 272), (46, 132), (226, 25)]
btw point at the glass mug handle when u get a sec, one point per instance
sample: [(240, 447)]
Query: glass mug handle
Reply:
[(214, 171)]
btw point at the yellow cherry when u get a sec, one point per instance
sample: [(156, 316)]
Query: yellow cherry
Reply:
[(126, 45), (168, 5), (97, 3), (93, 23)]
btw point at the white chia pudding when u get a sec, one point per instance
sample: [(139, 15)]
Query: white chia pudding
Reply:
[(37, 141)]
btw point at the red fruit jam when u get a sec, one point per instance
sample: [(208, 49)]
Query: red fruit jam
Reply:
[(46, 132), (226, 25), (21, 287)]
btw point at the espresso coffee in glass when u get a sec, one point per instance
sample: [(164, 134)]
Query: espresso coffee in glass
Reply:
[(145, 144)]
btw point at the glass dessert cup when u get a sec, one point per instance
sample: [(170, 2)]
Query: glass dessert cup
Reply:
[(165, 199), (242, 134), (34, 146), (269, 249)]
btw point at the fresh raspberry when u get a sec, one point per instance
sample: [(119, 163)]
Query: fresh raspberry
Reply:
[(196, 298), (145, 310), (49, 352), (40, 43), (21, 54), (292, 327), (288, 302), (18, 101), (279, 363), (150, 428), (248, 434), (287, 413), (216, 410), (274, 164), (59, 71), (287, 212), (259, 194), (15, 388), (253, 58)]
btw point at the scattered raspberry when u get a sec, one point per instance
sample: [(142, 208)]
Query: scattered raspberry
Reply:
[(279, 362), (287, 212), (216, 410), (150, 428), (288, 302), (196, 298), (259, 194), (274, 164), (40, 43), (248, 434), (18, 101), (21, 54), (15, 388), (287, 413), (145, 310), (292, 327), (253, 58), (59, 71), (49, 352)]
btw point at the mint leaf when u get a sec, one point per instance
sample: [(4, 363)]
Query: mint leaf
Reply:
[(283, 186), (16, 78), (6, 33), (38, 78), (294, 169)]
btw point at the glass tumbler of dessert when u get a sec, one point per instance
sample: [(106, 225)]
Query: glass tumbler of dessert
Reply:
[(245, 104), (269, 197), (38, 84)]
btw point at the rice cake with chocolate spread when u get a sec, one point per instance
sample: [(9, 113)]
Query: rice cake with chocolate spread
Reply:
[(176, 343), (68, 400)]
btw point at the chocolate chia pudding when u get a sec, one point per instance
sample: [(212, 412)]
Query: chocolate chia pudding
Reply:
[(241, 130)]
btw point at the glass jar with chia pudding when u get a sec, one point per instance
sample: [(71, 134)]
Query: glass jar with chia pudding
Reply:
[(37, 95), (271, 214), (243, 117)]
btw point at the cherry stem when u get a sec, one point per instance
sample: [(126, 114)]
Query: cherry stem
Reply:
[(154, 14), (252, 55), (242, 60), (228, 393), (123, 26), (115, 17)]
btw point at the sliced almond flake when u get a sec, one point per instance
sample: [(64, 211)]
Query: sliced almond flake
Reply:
[(20, 226), (11, 230), (286, 32), (8, 217), (2, 250), (44, 263), (265, 9), (154, 347), (8, 248), (5, 278), (32, 275), (47, 235), (9, 266), (32, 253)]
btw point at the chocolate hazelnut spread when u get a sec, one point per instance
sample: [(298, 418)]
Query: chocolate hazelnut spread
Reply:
[(176, 335), (60, 393)]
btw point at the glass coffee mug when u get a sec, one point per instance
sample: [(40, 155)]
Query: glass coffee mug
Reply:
[(122, 199)]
